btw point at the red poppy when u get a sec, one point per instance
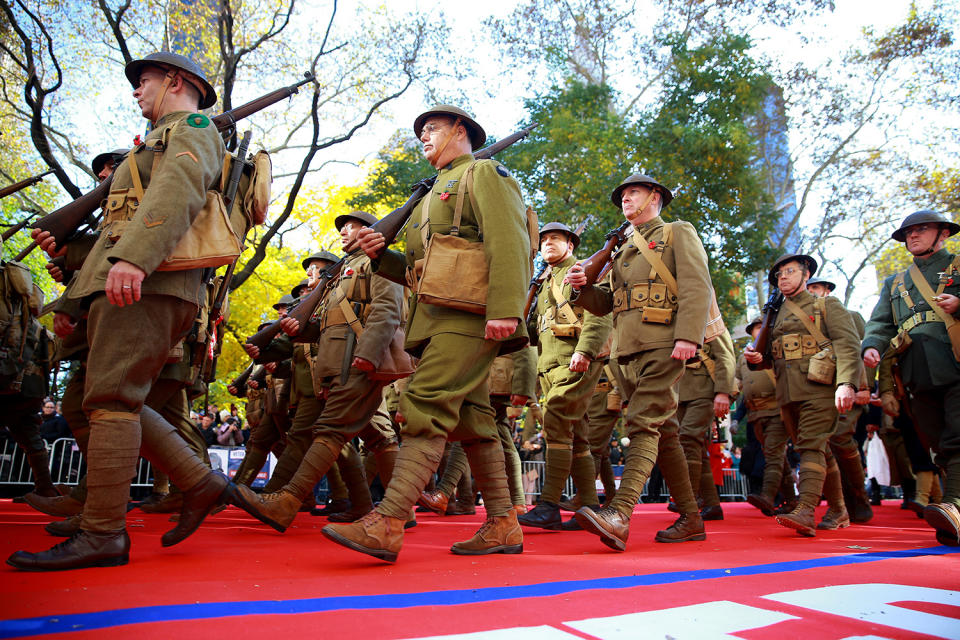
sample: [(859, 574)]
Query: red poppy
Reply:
[(137, 141), (349, 272), (444, 195), (652, 245)]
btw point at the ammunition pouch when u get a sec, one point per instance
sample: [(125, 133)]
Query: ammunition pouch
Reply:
[(656, 302), (901, 342), (500, 379), (565, 330)]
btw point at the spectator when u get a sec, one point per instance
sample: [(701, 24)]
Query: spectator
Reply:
[(207, 428), (54, 425), (229, 434)]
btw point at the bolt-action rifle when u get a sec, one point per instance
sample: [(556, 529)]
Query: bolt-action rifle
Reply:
[(23, 184)]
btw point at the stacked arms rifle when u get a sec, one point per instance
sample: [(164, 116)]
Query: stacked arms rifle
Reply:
[(23, 184), (390, 226), (761, 344), (63, 222)]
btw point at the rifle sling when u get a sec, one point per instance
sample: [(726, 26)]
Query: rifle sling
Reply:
[(656, 262), (928, 294), (813, 329)]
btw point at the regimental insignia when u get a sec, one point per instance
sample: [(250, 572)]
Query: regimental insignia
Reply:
[(198, 120), (450, 184), (502, 170)]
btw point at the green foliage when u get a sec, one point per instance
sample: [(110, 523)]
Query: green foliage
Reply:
[(399, 165)]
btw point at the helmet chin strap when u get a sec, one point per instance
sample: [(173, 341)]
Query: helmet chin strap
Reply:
[(167, 80), (932, 249)]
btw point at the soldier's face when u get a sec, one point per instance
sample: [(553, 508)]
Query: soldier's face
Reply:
[(348, 233), (434, 134), (632, 199), (555, 246), (313, 272), (921, 237), (106, 172), (792, 278), (148, 87), (281, 311), (819, 290)]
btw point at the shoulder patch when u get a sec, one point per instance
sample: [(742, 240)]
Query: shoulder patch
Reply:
[(198, 120), (502, 170)]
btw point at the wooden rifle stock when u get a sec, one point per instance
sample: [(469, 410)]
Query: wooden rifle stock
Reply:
[(63, 222), (23, 184), (240, 382), (389, 226), (761, 344), (20, 225), (598, 264)]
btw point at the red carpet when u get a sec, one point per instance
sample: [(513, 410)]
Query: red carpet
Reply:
[(749, 579)]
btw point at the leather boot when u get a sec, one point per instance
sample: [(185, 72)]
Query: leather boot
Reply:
[(435, 501), (908, 486), (570, 505), (608, 523), (787, 506), (351, 470), (374, 534), (153, 498), (171, 503), (713, 512), (461, 507), (59, 506), (834, 518), (64, 528), (945, 518), (687, 528), (276, 509), (198, 502), (332, 507), (571, 524), (39, 463), (801, 520), (546, 515), (498, 534), (86, 549), (763, 502)]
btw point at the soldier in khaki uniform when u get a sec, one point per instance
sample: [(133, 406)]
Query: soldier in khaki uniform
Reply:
[(570, 339), (916, 316), (810, 408), (704, 393), (603, 414), (156, 193), (371, 309), (759, 392), (448, 395), (655, 333)]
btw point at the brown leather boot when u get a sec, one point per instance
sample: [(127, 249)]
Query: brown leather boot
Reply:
[(498, 534), (276, 509), (170, 503), (687, 528), (712, 512), (801, 519), (520, 509), (197, 503), (86, 549), (461, 507), (374, 534), (834, 518), (64, 528), (332, 507), (60, 506), (435, 501), (763, 502), (608, 523), (945, 518)]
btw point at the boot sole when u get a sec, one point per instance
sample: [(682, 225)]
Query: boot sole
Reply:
[(116, 561), (831, 527), (764, 509), (696, 537), (946, 531), (236, 498), (380, 554), (503, 548), (606, 537), (799, 528), (549, 527)]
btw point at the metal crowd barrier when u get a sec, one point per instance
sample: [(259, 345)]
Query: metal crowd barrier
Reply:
[(66, 465)]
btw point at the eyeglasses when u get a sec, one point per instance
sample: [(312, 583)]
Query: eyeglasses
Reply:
[(430, 128), (789, 271), (920, 228)]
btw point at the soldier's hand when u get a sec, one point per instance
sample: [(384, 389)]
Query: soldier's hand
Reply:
[(518, 401), (844, 398), (372, 242), (232, 389), (63, 324), (46, 242), (290, 326), (363, 364), (123, 283), (948, 303), (580, 362), (55, 272), (751, 355), (500, 328), (575, 277), (252, 350), (871, 357), (862, 397), (683, 350), (890, 404), (270, 367), (253, 384), (721, 405)]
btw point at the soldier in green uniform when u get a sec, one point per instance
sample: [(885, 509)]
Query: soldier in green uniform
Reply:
[(704, 393), (156, 193), (916, 316), (655, 332), (570, 339), (448, 395), (345, 374), (759, 392), (801, 348)]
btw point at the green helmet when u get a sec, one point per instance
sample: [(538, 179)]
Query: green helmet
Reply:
[(166, 59), (647, 181), (297, 290), (326, 256), (920, 217), (101, 160), (830, 285), (799, 257), (559, 226), (477, 135), (364, 218), (758, 320), (285, 300)]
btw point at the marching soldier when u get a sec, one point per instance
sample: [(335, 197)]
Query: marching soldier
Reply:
[(156, 193), (570, 339), (655, 333), (811, 393), (917, 317), (448, 396)]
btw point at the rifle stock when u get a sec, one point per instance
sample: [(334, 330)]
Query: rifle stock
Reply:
[(23, 184), (63, 222), (240, 382), (598, 264), (20, 225), (761, 344)]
